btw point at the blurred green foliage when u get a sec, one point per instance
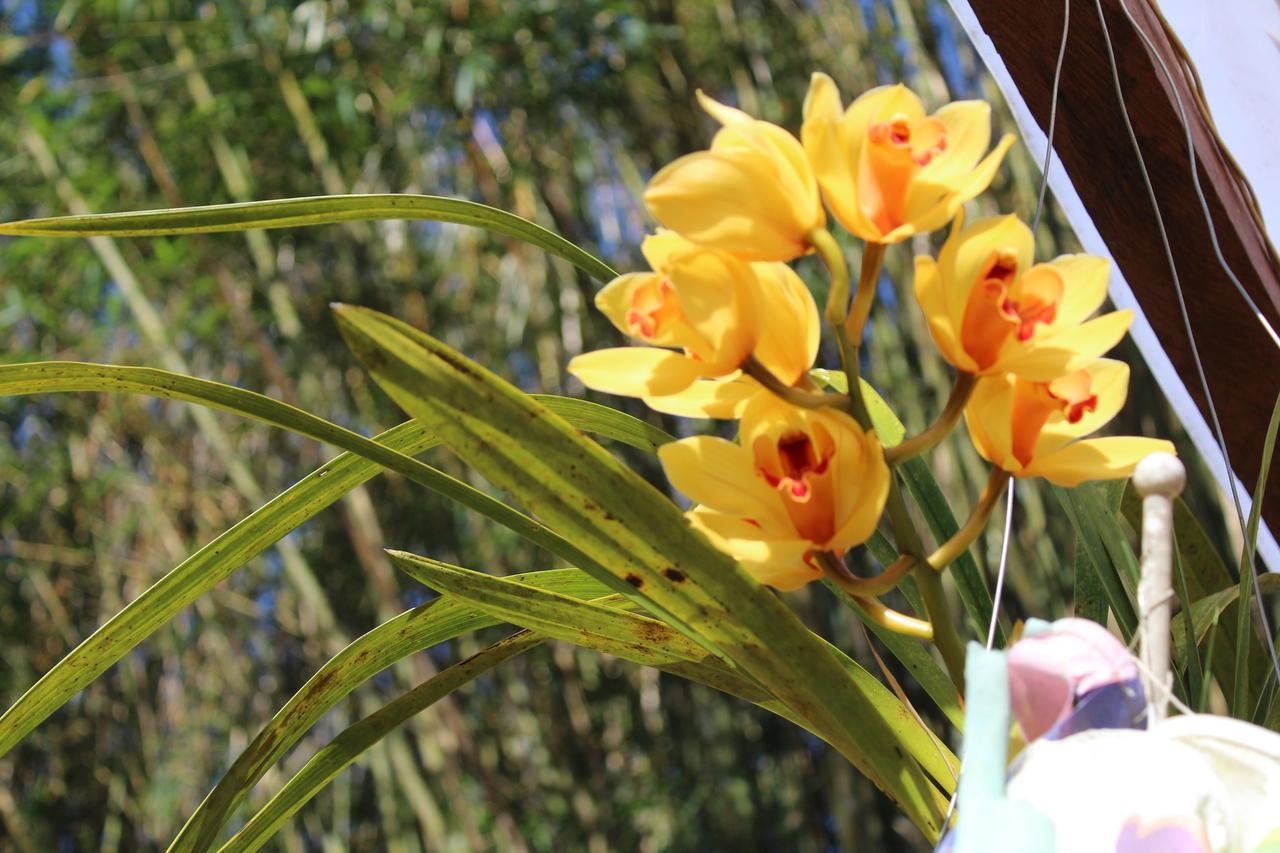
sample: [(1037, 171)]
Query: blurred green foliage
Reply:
[(557, 110)]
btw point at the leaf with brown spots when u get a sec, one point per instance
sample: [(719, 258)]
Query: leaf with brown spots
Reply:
[(622, 525)]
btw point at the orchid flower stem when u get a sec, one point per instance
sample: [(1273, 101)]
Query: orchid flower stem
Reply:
[(795, 396), (835, 569), (872, 261), (837, 312), (930, 584), (944, 629), (853, 377), (940, 428), (965, 536), (838, 297), (849, 330), (892, 619)]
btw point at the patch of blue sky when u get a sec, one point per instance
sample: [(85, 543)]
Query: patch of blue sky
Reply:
[(960, 66), (523, 371), (416, 596)]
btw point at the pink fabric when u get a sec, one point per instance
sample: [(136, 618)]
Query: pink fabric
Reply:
[(1049, 671), (1181, 834)]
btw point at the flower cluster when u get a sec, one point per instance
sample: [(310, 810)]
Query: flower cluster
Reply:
[(727, 329)]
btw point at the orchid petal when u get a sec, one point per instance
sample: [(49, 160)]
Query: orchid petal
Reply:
[(636, 371), (776, 561), (1096, 459), (722, 475)]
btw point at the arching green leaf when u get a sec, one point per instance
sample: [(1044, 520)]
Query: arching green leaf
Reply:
[(313, 210), (354, 740), (217, 560), (412, 631), (639, 542)]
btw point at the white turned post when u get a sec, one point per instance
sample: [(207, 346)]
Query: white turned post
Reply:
[(1159, 479)]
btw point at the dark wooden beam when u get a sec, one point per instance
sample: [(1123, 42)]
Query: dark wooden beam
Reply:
[(1241, 362)]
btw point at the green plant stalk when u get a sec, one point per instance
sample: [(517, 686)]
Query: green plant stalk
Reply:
[(856, 322), (899, 623), (853, 374), (795, 396), (837, 311), (1248, 575), (849, 331), (930, 585), (838, 297), (974, 524), (834, 568), (933, 434)]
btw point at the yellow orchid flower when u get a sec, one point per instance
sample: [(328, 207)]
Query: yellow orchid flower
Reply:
[(886, 169), (718, 310), (990, 311), (787, 346), (1035, 429), (698, 301), (796, 481), (753, 193)]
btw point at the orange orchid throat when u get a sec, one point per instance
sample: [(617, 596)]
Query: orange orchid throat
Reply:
[(654, 305), (1034, 403), (799, 460), (796, 464), (897, 150), (1003, 304), (921, 139)]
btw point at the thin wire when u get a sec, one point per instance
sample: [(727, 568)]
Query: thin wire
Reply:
[(1195, 178), (1004, 561), (1007, 534), (1035, 224), (1053, 123), (1186, 322), (1222, 262), (1161, 687)]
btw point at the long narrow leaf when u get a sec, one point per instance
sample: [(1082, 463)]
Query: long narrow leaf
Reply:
[(1241, 699), (313, 210), (641, 639), (192, 578), (598, 625), (1090, 596), (354, 740), (216, 561), (422, 627), (75, 376), (1188, 659), (44, 377), (606, 629), (641, 541), (1210, 609), (1084, 509)]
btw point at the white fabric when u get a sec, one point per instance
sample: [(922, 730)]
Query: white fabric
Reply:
[(1224, 772)]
